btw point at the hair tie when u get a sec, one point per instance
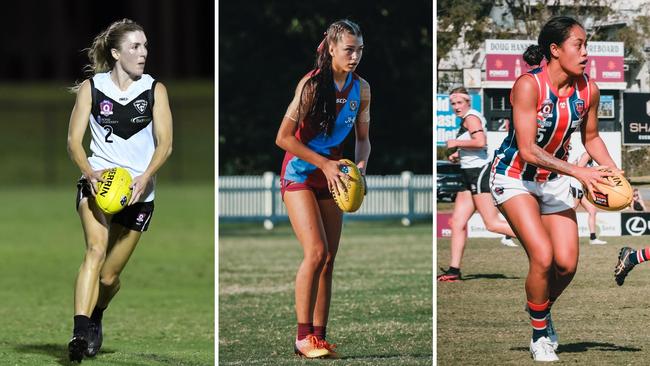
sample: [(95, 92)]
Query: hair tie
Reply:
[(460, 95)]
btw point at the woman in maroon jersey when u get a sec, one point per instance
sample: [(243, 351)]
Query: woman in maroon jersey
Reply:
[(329, 103)]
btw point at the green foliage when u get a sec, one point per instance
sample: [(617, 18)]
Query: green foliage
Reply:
[(164, 312), (381, 305)]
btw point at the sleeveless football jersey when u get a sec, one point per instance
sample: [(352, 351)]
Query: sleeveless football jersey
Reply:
[(557, 117), (348, 102), (121, 124), (472, 158)]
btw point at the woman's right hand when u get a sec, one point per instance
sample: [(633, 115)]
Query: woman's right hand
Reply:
[(94, 177), (454, 157), (332, 171), (589, 176)]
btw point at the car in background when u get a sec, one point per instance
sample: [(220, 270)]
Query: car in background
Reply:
[(449, 180)]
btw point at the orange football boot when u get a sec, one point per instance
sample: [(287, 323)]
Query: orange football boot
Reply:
[(310, 347)]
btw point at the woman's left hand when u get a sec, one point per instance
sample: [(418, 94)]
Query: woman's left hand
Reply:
[(138, 185)]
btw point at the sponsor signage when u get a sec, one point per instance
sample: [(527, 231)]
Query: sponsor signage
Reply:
[(504, 62), (443, 229), (447, 123), (636, 123), (607, 223), (635, 223)]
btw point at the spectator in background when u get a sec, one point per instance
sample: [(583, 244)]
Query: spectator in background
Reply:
[(637, 201)]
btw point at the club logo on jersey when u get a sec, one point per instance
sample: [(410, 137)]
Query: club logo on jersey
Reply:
[(579, 106), (140, 105), (106, 108), (141, 119), (547, 108), (353, 105)]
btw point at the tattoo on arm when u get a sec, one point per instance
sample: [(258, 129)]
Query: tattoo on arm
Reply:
[(547, 161)]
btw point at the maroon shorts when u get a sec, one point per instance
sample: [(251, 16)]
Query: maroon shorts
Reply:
[(320, 192)]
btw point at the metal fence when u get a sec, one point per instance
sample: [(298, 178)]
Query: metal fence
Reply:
[(257, 198)]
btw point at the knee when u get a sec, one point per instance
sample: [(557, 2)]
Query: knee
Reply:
[(109, 280), (542, 263), (491, 225), (328, 267), (95, 255), (566, 269), (316, 258), (457, 224)]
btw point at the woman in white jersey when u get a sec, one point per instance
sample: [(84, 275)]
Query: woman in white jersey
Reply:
[(472, 153), (131, 126)]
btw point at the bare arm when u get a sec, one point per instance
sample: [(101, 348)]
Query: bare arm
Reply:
[(163, 132), (524, 107), (478, 139), (286, 138), (362, 129), (76, 130)]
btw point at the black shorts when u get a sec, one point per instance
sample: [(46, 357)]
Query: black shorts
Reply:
[(477, 180), (134, 217)]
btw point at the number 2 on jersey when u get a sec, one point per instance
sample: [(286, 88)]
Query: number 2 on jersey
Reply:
[(109, 132)]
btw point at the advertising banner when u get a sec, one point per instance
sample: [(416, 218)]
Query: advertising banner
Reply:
[(504, 62), (635, 223), (607, 224), (636, 123), (447, 123)]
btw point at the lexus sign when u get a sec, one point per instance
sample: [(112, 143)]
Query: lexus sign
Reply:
[(635, 224)]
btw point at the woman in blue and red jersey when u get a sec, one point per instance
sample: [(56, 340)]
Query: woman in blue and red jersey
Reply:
[(329, 102), (529, 179)]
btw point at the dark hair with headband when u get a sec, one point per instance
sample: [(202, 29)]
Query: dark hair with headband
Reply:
[(555, 31), (318, 94)]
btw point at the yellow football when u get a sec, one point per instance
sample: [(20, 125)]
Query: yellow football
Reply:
[(355, 189), (114, 193), (611, 198)]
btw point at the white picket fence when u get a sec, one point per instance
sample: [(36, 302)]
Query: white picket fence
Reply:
[(257, 198)]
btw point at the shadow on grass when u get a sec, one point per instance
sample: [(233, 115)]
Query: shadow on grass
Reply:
[(489, 276), (586, 346), (57, 351), (597, 346), (428, 356)]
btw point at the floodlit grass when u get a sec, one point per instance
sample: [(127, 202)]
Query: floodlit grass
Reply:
[(481, 321), (164, 313), (381, 311)]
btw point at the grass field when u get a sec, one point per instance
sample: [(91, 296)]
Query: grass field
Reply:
[(481, 321), (164, 313), (381, 311)]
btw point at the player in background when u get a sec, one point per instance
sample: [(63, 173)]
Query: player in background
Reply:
[(580, 199), (628, 257), (471, 142), (329, 102), (530, 173), (131, 126)]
